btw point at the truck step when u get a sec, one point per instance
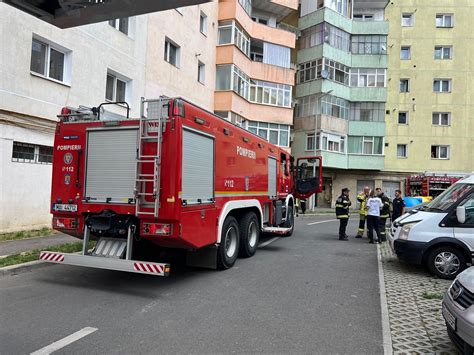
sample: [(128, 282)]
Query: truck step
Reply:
[(110, 248), (276, 230)]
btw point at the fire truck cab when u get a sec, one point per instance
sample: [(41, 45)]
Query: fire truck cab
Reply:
[(179, 177)]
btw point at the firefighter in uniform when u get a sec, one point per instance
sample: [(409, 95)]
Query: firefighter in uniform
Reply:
[(362, 199), (342, 212), (384, 213)]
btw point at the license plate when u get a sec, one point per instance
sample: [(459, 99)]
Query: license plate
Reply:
[(58, 207), (450, 319)]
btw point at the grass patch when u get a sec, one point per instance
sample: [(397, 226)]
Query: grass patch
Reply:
[(26, 234), (34, 254), (432, 296)]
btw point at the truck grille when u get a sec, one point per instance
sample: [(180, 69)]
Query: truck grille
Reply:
[(461, 295)]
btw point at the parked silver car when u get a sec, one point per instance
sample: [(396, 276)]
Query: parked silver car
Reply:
[(458, 311)]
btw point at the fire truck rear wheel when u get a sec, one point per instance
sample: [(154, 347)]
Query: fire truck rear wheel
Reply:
[(228, 249), (249, 235), (290, 221)]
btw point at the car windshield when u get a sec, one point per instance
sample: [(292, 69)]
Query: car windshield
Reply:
[(448, 197)]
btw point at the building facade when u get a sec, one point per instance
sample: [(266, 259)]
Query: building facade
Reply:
[(341, 94), (430, 91), (45, 68), (254, 74)]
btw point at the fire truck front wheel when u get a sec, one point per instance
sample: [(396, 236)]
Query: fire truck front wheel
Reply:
[(249, 235), (228, 249)]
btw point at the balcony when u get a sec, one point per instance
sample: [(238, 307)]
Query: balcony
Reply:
[(360, 128), (365, 162), (229, 54), (230, 101), (231, 9), (323, 123)]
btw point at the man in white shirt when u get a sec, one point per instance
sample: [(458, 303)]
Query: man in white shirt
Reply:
[(374, 205)]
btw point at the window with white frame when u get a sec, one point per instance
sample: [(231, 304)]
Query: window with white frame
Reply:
[(327, 105), (32, 153), (444, 20), (442, 85), (312, 70), (441, 119), (369, 44), (247, 5), (230, 32), (440, 152), (260, 19), (203, 23), (120, 24), (403, 117), (443, 52), (333, 143), (172, 52), (405, 52), (116, 87), (50, 60), (363, 17), (367, 111), (340, 6), (401, 151), (407, 19), (278, 134), (310, 141), (367, 77), (365, 145), (325, 33), (404, 85), (201, 72)]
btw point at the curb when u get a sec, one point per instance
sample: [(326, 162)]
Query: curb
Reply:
[(386, 333), (24, 267)]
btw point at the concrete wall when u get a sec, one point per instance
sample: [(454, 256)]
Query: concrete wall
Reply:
[(421, 101)]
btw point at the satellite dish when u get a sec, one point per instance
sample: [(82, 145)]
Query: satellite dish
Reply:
[(324, 74)]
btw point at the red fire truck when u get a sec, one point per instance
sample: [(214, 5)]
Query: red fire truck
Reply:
[(178, 177)]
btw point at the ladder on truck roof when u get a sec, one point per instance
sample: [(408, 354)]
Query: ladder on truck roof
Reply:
[(153, 118)]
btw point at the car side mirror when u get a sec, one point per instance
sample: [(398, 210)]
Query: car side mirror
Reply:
[(461, 214)]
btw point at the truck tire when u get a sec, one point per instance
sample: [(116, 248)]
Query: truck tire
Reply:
[(290, 221), (228, 249), (249, 235), (446, 262)]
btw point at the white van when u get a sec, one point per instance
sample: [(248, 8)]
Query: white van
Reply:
[(439, 234)]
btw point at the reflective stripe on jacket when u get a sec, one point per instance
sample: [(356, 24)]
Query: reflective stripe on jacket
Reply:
[(342, 207)]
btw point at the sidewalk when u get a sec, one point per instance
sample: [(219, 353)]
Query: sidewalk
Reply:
[(17, 246)]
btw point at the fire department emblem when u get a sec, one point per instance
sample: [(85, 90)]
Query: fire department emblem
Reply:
[(67, 179), (68, 158)]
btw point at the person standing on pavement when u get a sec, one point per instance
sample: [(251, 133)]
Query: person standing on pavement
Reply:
[(374, 205), (362, 199), (384, 214), (297, 206), (398, 205), (342, 212)]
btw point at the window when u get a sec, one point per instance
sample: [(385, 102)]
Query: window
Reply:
[(203, 23), (116, 88), (441, 119), (444, 20), (369, 44), (401, 150), (231, 33), (405, 52), (365, 145), (363, 17), (340, 6), (440, 152), (172, 52), (31, 153), (201, 72), (325, 33), (367, 77), (120, 24), (407, 20), (442, 85), (326, 105), (310, 142), (403, 117), (333, 143), (259, 19), (247, 5), (367, 111), (278, 134), (49, 61), (443, 52), (404, 85)]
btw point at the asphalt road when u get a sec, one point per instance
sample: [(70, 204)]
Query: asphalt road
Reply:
[(306, 294)]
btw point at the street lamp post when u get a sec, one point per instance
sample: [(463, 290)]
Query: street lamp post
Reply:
[(318, 113)]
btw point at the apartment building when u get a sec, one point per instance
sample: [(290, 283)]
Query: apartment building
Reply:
[(430, 90), (45, 68), (254, 73), (341, 94)]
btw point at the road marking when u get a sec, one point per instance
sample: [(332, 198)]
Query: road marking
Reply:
[(264, 244), (386, 334), (328, 220), (65, 341)]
